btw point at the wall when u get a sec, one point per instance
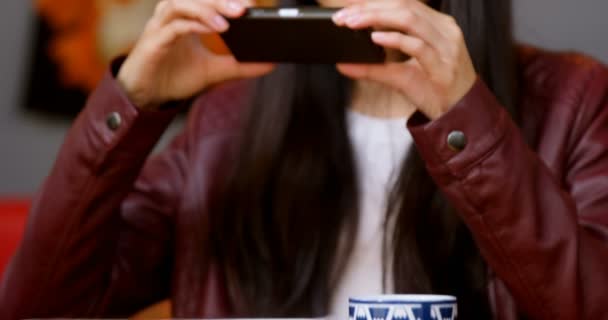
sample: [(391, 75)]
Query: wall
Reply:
[(564, 24), (29, 144)]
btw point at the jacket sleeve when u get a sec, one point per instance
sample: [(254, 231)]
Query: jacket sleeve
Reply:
[(546, 239), (99, 234)]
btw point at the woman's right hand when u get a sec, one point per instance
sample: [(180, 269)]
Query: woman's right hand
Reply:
[(169, 61)]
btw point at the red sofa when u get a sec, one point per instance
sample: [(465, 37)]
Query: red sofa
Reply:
[(13, 213)]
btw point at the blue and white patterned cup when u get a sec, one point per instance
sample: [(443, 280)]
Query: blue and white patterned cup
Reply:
[(403, 307)]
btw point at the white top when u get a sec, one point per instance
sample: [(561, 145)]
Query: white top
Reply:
[(379, 146)]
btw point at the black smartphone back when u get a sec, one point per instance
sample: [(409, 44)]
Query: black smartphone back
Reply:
[(298, 35)]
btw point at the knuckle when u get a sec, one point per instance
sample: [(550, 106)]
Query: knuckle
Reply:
[(206, 13), (371, 16), (173, 5), (160, 7), (457, 34), (454, 30), (217, 5), (410, 16), (178, 28), (418, 47), (172, 28), (408, 19), (451, 20)]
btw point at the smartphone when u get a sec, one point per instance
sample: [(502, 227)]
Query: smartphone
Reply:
[(298, 35)]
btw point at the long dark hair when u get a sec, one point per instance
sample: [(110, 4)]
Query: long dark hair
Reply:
[(288, 213)]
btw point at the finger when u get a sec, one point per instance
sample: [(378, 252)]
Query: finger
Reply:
[(388, 73), (170, 10), (418, 6), (208, 12), (413, 47), (353, 71), (232, 69), (178, 28), (385, 15), (248, 70)]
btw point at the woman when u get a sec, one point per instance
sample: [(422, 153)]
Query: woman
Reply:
[(287, 193)]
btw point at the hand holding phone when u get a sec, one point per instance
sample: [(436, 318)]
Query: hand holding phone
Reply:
[(169, 62)]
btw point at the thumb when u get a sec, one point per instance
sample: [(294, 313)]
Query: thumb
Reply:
[(225, 67), (389, 73), (248, 70), (354, 71)]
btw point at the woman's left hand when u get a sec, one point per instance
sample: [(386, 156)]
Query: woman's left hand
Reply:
[(440, 71)]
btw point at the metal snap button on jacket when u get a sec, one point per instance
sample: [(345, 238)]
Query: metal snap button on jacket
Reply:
[(457, 141), (113, 121)]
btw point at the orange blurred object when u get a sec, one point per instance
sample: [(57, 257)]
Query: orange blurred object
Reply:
[(77, 26), (215, 44), (161, 310), (73, 47)]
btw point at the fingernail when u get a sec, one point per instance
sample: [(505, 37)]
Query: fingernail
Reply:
[(353, 19), (379, 36), (234, 6), (339, 16), (220, 23)]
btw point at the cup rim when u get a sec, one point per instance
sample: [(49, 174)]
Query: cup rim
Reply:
[(402, 298)]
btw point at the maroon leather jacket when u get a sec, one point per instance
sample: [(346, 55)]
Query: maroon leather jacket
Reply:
[(114, 230)]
